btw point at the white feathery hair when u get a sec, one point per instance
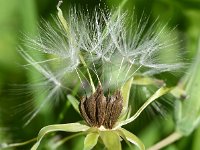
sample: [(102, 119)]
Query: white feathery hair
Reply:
[(113, 47)]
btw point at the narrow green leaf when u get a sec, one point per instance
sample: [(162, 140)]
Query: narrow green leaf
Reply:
[(71, 127), (111, 140), (124, 138), (160, 92), (132, 138), (139, 80), (74, 102), (91, 140)]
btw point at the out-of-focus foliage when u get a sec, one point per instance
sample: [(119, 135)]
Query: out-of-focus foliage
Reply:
[(22, 16), (187, 112)]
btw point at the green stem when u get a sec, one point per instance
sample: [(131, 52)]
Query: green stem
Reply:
[(167, 141), (20, 144)]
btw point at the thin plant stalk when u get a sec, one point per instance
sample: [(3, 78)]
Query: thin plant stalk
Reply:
[(166, 141)]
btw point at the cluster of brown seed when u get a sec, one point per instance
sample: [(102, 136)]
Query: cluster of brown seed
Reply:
[(99, 110)]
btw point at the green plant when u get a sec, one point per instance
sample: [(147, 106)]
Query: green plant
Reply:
[(104, 43)]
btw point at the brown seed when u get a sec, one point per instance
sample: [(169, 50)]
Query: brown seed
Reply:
[(113, 109), (83, 111), (98, 110)]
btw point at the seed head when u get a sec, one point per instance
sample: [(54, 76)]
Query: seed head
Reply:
[(106, 45), (98, 110)]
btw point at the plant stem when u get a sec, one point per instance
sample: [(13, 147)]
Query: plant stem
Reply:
[(166, 141), (19, 144)]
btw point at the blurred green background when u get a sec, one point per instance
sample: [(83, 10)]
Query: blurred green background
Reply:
[(23, 16)]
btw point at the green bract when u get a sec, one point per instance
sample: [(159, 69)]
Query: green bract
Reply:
[(111, 137)]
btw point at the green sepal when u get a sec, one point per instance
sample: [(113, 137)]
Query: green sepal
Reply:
[(71, 127), (160, 92), (132, 138), (125, 89), (111, 140), (91, 140)]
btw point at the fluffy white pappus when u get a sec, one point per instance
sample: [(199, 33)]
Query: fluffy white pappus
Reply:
[(112, 46)]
